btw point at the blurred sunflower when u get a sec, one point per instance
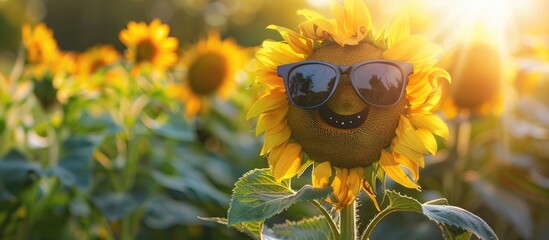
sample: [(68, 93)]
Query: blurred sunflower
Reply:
[(41, 48), (211, 67), (149, 45), (90, 62), (48, 66), (477, 71), (390, 141), (95, 58)]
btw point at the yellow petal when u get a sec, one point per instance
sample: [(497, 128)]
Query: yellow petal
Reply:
[(438, 74), (275, 138), (409, 164), (395, 172), (340, 186), (428, 140), (370, 192), (272, 100), (273, 54), (415, 49), (297, 42), (270, 79), (288, 162), (354, 183), (408, 137), (412, 154), (431, 122), (317, 29), (321, 174), (397, 30), (270, 120), (274, 156)]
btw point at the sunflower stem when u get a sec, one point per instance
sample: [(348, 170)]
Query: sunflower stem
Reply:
[(348, 222), (333, 227), (378, 217), (375, 221)]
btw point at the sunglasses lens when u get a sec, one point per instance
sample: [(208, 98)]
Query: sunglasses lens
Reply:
[(379, 83), (310, 85)]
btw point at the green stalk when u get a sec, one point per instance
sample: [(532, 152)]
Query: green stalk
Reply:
[(378, 218), (348, 222), (126, 229), (375, 221), (333, 227)]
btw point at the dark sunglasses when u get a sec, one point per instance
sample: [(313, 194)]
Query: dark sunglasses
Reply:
[(310, 84)]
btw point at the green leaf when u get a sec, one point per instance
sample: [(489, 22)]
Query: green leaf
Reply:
[(175, 128), (438, 201), (458, 217), (252, 229), (402, 203), (454, 233), (315, 228), (162, 212), (115, 205), (450, 232), (192, 183), (456, 223), (506, 204), (74, 168), (103, 123), (257, 196), (17, 172)]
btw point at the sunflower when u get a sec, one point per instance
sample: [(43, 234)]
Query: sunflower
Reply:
[(211, 67), (41, 48), (95, 58), (48, 66), (478, 74), (89, 63), (390, 141), (149, 45)]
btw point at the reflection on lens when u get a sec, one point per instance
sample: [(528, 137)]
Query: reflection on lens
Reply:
[(310, 85), (378, 83)]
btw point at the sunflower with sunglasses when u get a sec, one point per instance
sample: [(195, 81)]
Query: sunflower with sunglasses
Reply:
[(355, 103)]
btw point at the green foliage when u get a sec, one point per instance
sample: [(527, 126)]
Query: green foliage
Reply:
[(17, 172), (257, 196), (455, 222), (75, 165), (253, 229), (315, 228), (163, 212), (458, 217), (399, 202)]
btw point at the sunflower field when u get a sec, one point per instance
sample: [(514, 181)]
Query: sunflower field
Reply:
[(258, 119)]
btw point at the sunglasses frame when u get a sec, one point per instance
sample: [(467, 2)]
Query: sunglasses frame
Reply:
[(285, 70)]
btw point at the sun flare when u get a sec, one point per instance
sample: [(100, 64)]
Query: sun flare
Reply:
[(499, 20)]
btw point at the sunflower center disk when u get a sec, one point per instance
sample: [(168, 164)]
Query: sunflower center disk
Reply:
[(342, 121), (207, 73), (145, 51)]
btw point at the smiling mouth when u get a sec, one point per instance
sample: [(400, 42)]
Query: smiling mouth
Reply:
[(342, 121)]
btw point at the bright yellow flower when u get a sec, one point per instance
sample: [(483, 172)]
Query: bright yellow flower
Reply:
[(149, 45), (89, 63), (63, 82), (211, 68), (41, 47), (95, 58), (388, 141), (49, 67)]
